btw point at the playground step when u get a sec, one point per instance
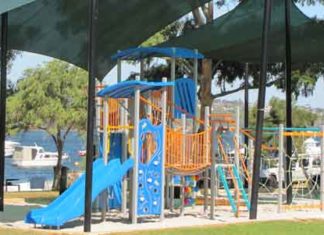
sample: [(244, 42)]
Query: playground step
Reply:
[(233, 202)]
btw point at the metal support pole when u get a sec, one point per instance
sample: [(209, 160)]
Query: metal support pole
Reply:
[(183, 122), (173, 77), (149, 113), (119, 70), (288, 101), (123, 122), (105, 130), (246, 103), (206, 145), (163, 121), (142, 70), (93, 18), (195, 75), (104, 194), (171, 193), (237, 151), (280, 166), (213, 174), (124, 154), (250, 165), (167, 188), (246, 118), (260, 109), (3, 97), (183, 181), (322, 169), (136, 154), (237, 137)]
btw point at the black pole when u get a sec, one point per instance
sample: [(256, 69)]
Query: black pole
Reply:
[(260, 109), (246, 102), (288, 101), (3, 95), (93, 17), (246, 118)]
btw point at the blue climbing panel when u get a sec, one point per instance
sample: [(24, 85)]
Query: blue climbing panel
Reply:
[(150, 171), (185, 96)]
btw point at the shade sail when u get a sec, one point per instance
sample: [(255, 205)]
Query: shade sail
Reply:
[(8, 5), (59, 28), (127, 89), (144, 52), (236, 36)]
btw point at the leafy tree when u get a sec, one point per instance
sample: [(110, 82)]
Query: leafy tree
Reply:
[(11, 56), (224, 74), (53, 98), (302, 117)]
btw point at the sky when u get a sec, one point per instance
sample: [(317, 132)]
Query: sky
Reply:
[(30, 60)]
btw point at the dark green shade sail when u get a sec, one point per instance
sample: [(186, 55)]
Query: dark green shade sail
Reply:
[(58, 28), (236, 36)]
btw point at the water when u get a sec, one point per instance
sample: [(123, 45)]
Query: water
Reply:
[(73, 144)]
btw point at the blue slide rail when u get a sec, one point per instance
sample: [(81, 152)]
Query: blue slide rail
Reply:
[(70, 204)]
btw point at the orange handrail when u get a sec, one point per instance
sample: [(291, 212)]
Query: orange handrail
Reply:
[(245, 170), (303, 134), (265, 147)]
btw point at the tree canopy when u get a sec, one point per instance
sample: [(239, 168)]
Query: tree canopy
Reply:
[(51, 97), (303, 117), (227, 77)]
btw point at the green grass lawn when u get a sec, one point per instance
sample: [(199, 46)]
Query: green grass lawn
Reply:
[(257, 228), (44, 197), (307, 227)]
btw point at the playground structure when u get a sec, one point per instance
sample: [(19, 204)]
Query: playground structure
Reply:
[(153, 130)]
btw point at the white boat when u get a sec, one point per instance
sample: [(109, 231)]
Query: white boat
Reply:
[(10, 148), (35, 156)]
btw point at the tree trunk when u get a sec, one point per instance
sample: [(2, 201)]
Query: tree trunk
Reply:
[(205, 94), (58, 169)]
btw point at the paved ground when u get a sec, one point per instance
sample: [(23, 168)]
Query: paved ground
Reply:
[(192, 217)]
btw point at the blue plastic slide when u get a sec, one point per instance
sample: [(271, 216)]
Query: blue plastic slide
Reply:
[(70, 204)]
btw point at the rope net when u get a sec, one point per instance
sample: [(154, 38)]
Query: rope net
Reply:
[(304, 170), (187, 153)]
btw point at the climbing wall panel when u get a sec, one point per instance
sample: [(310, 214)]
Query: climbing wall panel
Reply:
[(150, 168)]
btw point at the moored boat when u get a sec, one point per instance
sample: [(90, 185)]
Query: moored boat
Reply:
[(35, 156), (10, 148)]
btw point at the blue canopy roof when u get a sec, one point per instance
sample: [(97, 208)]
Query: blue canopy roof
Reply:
[(127, 89), (137, 53)]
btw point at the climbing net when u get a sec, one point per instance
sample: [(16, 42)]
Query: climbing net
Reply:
[(302, 170), (293, 182)]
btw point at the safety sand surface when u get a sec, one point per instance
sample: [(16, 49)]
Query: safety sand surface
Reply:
[(193, 217)]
